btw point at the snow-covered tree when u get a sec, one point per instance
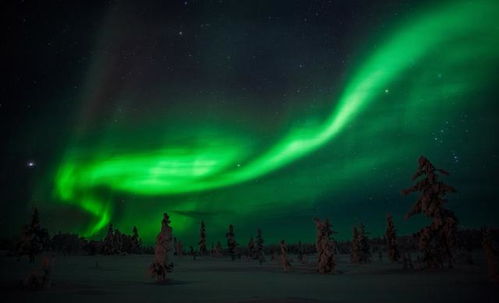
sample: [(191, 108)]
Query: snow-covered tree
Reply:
[(325, 247), (365, 250), (355, 252), (160, 267), (300, 252), (251, 248), (259, 253), (361, 252), (135, 241), (286, 265), (109, 247), (202, 239), (437, 240), (231, 242), (34, 238), (391, 239), (218, 250)]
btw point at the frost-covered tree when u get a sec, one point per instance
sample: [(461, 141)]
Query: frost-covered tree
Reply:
[(109, 247), (286, 265), (218, 250), (437, 240), (259, 253), (202, 239), (34, 239), (251, 248), (135, 241), (325, 247), (118, 241), (391, 239), (361, 252), (364, 248), (231, 242), (160, 267), (355, 252), (491, 255), (300, 252), (192, 252)]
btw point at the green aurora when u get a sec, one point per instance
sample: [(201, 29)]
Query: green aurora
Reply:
[(389, 92)]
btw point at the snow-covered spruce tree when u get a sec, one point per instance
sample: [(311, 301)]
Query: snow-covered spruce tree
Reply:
[(391, 239), (325, 247), (491, 255), (231, 242), (34, 239), (218, 250), (160, 266), (251, 248), (363, 242), (300, 252), (286, 265), (136, 242), (259, 253), (192, 252), (355, 253), (437, 240), (202, 239), (108, 247), (118, 241)]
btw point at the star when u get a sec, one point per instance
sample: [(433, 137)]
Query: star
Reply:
[(31, 163)]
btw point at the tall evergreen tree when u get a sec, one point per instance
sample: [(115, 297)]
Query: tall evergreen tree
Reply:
[(160, 267), (231, 242), (260, 255), (364, 248), (108, 247), (325, 247), (286, 265), (355, 253), (202, 239), (391, 239), (136, 242), (251, 248), (437, 240), (34, 238), (218, 249)]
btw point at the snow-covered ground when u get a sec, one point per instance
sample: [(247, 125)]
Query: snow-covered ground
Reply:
[(125, 279)]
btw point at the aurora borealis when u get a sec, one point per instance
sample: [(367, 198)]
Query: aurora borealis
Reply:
[(256, 120)]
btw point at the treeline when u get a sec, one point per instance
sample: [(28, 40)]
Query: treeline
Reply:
[(35, 239), (438, 245)]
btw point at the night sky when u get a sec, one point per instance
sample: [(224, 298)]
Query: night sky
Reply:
[(263, 114)]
